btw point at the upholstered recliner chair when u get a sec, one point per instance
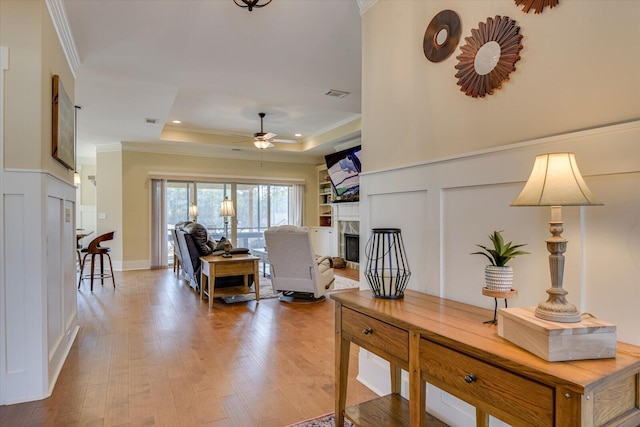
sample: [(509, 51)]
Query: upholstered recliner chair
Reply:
[(194, 242), (295, 270)]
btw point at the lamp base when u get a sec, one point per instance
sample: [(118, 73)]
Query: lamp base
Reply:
[(557, 309)]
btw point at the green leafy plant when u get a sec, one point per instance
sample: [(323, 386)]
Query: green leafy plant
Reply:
[(501, 252)]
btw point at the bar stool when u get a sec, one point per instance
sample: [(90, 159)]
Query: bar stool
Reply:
[(94, 249)]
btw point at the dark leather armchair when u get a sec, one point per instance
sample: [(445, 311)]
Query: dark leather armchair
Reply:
[(194, 242)]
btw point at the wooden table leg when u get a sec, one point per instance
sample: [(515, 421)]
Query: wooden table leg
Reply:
[(396, 378), (203, 278), (342, 367), (212, 282), (417, 387), (482, 418), (256, 279)]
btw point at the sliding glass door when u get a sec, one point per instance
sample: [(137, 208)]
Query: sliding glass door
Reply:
[(209, 197), (257, 206)]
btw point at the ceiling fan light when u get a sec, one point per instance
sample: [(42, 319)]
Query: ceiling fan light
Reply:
[(262, 143)]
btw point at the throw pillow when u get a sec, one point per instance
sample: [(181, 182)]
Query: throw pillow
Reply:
[(221, 243)]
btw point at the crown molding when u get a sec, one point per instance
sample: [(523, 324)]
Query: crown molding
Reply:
[(200, 150), (60, 22)]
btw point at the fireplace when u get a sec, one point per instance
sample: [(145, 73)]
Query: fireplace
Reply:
[(352, 247), (348, 224)]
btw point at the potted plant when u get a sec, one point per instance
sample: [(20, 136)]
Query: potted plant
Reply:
[(498, 275)]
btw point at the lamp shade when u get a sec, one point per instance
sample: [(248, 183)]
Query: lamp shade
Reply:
[(193, 210), (555, 181), (226, 208)]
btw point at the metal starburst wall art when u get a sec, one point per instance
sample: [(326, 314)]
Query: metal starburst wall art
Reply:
[(536, 5), (489, 56)]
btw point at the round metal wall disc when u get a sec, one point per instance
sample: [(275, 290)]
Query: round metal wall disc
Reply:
[(442, 36)]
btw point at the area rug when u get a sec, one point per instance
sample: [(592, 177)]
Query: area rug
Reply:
[(328, 420), (266, 290)]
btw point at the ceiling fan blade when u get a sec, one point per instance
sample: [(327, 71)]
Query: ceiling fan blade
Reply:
[(286, 141), (270, 135)]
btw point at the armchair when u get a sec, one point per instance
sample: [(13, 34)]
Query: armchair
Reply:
[(194, 242), (294, 269)]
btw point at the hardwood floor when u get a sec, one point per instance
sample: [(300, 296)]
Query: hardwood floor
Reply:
[(150, 353)]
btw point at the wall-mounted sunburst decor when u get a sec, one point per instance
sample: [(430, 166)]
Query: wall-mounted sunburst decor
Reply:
[(488, 56), (536, 5)]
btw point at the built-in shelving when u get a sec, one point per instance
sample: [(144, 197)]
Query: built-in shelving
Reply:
[(325, 198)]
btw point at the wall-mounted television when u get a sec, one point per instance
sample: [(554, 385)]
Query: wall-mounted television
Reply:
[(344, 173)]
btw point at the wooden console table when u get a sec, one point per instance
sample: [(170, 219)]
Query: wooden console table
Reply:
[(445, 343)]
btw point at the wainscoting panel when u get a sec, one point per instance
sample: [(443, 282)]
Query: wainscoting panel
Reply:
[(612, 253), (451, 204), (409, 215), (39, 308)]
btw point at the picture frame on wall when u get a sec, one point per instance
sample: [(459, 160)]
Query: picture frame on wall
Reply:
[(63, 127)]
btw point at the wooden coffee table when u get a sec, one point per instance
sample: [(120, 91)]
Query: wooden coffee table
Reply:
[(237, 265)]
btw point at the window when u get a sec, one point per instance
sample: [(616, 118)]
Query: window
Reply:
[(257, 206)]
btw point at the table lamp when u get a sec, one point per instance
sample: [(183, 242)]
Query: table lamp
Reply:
[(556, 181), (227, 211), (193, 212)]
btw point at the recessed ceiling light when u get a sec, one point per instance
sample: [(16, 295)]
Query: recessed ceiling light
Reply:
[(176, 121), (297, 135)]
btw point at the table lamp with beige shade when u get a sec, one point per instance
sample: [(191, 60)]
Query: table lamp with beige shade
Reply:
[(555, 181), (193, 212), (227, 211)]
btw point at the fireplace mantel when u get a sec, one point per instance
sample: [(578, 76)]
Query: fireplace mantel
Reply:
[(347, 211)]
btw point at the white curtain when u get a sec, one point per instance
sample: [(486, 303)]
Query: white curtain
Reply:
[(159, 252), (296, 204)]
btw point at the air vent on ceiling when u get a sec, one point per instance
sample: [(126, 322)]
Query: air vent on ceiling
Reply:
[(336, 93), (151, 121)]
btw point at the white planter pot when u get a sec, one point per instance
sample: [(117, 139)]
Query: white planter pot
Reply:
[(498, 278)]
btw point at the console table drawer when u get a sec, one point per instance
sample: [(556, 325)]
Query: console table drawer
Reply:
[(374, 335), (510, 397)]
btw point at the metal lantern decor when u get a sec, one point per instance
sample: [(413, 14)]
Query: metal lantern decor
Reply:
[(387, 269)]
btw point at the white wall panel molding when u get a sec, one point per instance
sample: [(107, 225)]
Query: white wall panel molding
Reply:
[(39, 310), (4, 65), (446, 206)]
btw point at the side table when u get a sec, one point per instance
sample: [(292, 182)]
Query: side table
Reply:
[(238, 265), (498, 294)]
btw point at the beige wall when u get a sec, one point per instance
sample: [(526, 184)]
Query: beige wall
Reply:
[(87, 188), (36, 55), (578, 70), (109, 200), (132, 195)]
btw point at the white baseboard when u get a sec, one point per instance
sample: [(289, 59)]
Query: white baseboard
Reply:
[(143, 264)]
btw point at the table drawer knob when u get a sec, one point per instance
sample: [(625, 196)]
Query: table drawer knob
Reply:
[(367, 331), (469, 378)]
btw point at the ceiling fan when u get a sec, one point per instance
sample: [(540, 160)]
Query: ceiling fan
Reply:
[(264, 140)]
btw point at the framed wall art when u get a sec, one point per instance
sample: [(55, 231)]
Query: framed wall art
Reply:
[(63, 143)]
